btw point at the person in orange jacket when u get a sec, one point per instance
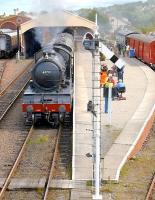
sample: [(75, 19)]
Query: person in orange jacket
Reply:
[(103, 75)]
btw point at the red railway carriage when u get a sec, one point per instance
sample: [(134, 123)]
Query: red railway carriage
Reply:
[(144, 47)]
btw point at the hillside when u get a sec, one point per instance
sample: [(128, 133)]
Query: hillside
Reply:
[(140, 15), (103, 19)]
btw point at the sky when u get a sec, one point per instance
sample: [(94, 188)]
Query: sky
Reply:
[(7, 6)]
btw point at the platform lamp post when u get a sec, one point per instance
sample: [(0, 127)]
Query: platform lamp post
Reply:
[(18, 22), (91, 43)]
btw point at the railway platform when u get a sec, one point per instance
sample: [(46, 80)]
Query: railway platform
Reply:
[(123, 137), (131, 119), (82, 125), (130, 123)]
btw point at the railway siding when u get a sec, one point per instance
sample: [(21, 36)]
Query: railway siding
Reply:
[(12, 71)]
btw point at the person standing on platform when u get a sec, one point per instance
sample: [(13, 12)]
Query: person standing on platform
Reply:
[(120, 86), (127, 50), (120, 73), (106, 92), (103, 74), (123, 51)]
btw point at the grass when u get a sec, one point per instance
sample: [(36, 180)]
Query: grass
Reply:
[(89, 183), (39, 190), (69, 170), (39, 140)]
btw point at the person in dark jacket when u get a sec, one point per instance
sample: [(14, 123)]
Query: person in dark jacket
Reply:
[(120, 73)]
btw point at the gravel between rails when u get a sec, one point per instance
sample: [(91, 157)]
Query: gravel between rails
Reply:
[(35, 162), (37, 194), (59, 195), (2, 68), (64, 155), (13, 133)]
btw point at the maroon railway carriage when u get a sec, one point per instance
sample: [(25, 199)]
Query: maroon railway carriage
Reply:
[(144, 47)]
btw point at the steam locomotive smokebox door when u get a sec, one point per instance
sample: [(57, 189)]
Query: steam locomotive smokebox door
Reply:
[(46, 75)]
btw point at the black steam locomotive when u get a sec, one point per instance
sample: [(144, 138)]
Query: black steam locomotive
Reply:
[(8, 43), (49, 94)]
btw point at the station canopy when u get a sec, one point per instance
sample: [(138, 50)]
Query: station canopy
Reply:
[(58, 19)]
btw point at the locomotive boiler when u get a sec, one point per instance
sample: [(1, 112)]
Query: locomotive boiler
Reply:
[(50, 91)]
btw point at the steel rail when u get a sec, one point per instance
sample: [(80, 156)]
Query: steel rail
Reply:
[(14, 99), (7, 181), (149, 193), (2, 72), (47, 185), (17, 77)]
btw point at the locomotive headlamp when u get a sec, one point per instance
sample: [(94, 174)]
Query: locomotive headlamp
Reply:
[(29, 109), (62, 109)]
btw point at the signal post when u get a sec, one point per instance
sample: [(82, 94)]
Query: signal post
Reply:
[(91, 43)]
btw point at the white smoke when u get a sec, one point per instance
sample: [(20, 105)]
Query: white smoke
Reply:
[(48, 5), (47, 35), (50, 14)]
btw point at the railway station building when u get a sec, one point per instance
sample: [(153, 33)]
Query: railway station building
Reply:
[(11, 21)]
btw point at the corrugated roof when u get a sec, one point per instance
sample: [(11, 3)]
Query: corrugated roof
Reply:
[(125, 32)]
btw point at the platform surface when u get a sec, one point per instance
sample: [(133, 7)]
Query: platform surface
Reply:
[(82, 122), (128, 118)]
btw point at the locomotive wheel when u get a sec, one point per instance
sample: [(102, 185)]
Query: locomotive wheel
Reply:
[(34, 119), (61, 117)]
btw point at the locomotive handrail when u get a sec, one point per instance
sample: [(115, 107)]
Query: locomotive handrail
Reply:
[(64, 49)]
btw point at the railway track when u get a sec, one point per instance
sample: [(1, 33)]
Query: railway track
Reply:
[(53, 161), (32, 163), (61, 162), (13, 90), (13, 134), (151, 190), (26, 168), (2, 68), (15, 129), (7, 181), (16, 78)]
